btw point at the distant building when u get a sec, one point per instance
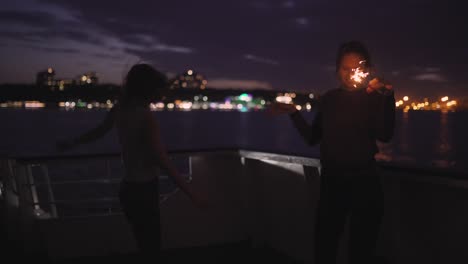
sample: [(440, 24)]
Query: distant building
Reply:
[(46, 78), (189, 80), (89, 78), (64, 84)]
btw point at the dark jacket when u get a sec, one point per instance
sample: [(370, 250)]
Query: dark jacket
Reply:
[(347, 125)]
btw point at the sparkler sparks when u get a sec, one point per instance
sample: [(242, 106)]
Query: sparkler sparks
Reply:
[(358, 75)]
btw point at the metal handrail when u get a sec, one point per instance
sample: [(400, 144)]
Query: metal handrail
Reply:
[(246, 152), (85, 156), (28, 185), (103, 181), (436, 175), (76, 201)]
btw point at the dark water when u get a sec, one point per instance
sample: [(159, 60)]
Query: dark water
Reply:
[(422, 138)]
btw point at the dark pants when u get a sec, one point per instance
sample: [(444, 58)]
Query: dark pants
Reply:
[(140, 204), (357, 193)]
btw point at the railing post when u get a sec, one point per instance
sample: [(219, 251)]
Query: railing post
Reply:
[(25, 220), (10, 179), (109, 180), (50, 191), (254, 181), (312, 177), (24, 191), (11, 201), (32, 188)]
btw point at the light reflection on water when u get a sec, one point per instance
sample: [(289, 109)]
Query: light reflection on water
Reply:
[(425, 139), (444, 145)]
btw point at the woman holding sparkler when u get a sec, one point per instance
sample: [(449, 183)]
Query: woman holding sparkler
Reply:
[(349, 120)]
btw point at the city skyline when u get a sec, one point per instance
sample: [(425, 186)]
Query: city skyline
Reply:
[(278, 45)]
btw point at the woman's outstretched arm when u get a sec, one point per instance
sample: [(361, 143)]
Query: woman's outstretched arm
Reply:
[(162, 158), (91, 135), (312, 134)]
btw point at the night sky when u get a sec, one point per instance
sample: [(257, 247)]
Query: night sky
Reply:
[(421, 46)]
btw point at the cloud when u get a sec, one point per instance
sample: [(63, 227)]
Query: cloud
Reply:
[(106, 56), (52, 11), (169, 48), (260, 59), (70, 41), (289, 4), (58, 50), (431, 74), (329, 68), (45, 22), (261, 5), (145, 42), (29, 18), (433, 77), (302, 21), (171, 75), (269, 5), (24, 30), (432, 69), (238, 84)]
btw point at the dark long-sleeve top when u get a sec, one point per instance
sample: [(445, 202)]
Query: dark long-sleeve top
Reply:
[(347, 125)]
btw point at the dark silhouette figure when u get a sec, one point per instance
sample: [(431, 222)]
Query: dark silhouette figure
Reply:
[(349, 120), (143, 154)]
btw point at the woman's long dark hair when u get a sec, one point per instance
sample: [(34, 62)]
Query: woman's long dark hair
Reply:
[(143, 83), (355, 47)]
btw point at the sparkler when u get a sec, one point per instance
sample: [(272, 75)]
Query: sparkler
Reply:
[(358, 75)]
